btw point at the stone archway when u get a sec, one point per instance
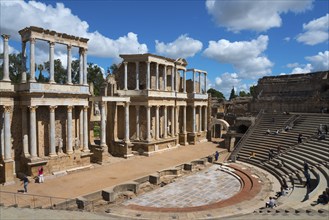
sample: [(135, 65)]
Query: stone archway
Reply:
[(224, 125)]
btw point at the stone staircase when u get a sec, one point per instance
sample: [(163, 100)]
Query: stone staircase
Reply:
[(314, 151)]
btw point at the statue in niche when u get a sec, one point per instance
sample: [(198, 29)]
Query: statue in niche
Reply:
[(96, 109), (76, 144), (60, 146)]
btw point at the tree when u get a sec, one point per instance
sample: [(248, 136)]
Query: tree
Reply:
[(75, 67), (95, 76), (232, 95), (15, 67), (243, 94), (215, 93), (41, 77), (60, 72), (113, 68), (252, 91)]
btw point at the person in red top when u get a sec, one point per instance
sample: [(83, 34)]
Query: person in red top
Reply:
[(40, 175)]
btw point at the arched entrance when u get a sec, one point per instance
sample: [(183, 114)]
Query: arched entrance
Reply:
[(217, 127)]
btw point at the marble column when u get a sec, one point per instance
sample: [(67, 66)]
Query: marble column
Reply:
[(200, 118), (164, 78), (81, 52), (200, 83), (69, 61), (205, 125), (172, 79), (193, 81), (85, 129), (7, 133), (205, 83), (32, 60), (157, 123), (176, 120), (165, 121), (184, 119), (127, 123), (69, 148), (52, 144), (5, 58), (172, 121), (103, 123), (137, 123), (148, 80), (137, 75), (81, 128), (193, 119), (157, 76), (51, 62), (23, 80), (184, 81), (25, 136), (125, 76), (85, 66), (33, 132), (148, 123)]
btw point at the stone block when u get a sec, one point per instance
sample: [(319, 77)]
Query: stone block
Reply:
[(154, 179)]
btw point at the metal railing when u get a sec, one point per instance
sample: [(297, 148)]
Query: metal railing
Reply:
[(34, 201), (246, 135)]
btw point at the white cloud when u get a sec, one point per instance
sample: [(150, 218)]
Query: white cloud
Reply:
[(226, 82), (302, 69), (55, 18), (316, 31), (246, 56), (287, 39), (319, 61), (182, 47), (253, 15), (11, 49)]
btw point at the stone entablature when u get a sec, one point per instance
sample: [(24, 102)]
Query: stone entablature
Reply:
[(35, 87)]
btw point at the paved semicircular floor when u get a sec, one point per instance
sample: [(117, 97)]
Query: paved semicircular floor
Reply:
[(205, 187)]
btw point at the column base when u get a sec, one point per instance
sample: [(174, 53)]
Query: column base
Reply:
[(192, 138), (7, 172), (53, 155), (183, 139)]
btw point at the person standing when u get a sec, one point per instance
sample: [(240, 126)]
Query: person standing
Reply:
[(25, 181), (305, 167), (216, 155), (40, 175), (300, 138)]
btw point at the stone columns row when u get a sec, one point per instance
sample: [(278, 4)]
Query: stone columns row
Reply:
[(5, 58), (205, 82), (202, 116), (52, 131), (148, 77)]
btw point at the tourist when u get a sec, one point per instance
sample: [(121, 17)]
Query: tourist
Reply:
[(268, 132), (323, 198), (252, 154), (305, 167), (270, 154), (216, 155), (308, 180), (277, 132), (40, 175), (300, 138), (287, 128), (271, 203), (25, 181), (279, 150)]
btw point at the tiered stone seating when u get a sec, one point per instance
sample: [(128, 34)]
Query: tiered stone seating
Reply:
[(314, 151)]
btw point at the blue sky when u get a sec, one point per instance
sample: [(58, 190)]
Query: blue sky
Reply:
[(236, 41)]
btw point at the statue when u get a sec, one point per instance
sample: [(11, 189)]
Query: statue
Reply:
[(96, 109), (60, 145)]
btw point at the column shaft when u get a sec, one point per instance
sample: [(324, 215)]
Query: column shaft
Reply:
[(51, 63), (69, 148), (205, 83), (23, 62), (184, 81), (126, 76), (193, 119), (157, 123), (33, 132), (81, 128), (148, 80), (81, 65), (7, 133), (165, 121), (205, 125), (137, 122), (172, 121), (148, 122), (103, 124), (69, 69), (193, 81), (137, 76), (184, 119), (127, 122), (172, 79), (5, 58), (164, 78), (52, 145), (157, 76), (200, 118), (85, 129), (85, 66), (176, 120), (25, 136), (32, 60), (200, 83)]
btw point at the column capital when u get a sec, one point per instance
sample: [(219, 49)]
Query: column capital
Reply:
[(147, 61), (32, 40), (125, 63), (127, 104), (82, 50), (8, 109), (157, 106), (51, 43), (137, 107), (33, 108), (5, 37), (85, 108), (69, 108), (69, 47), (52, 108)]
